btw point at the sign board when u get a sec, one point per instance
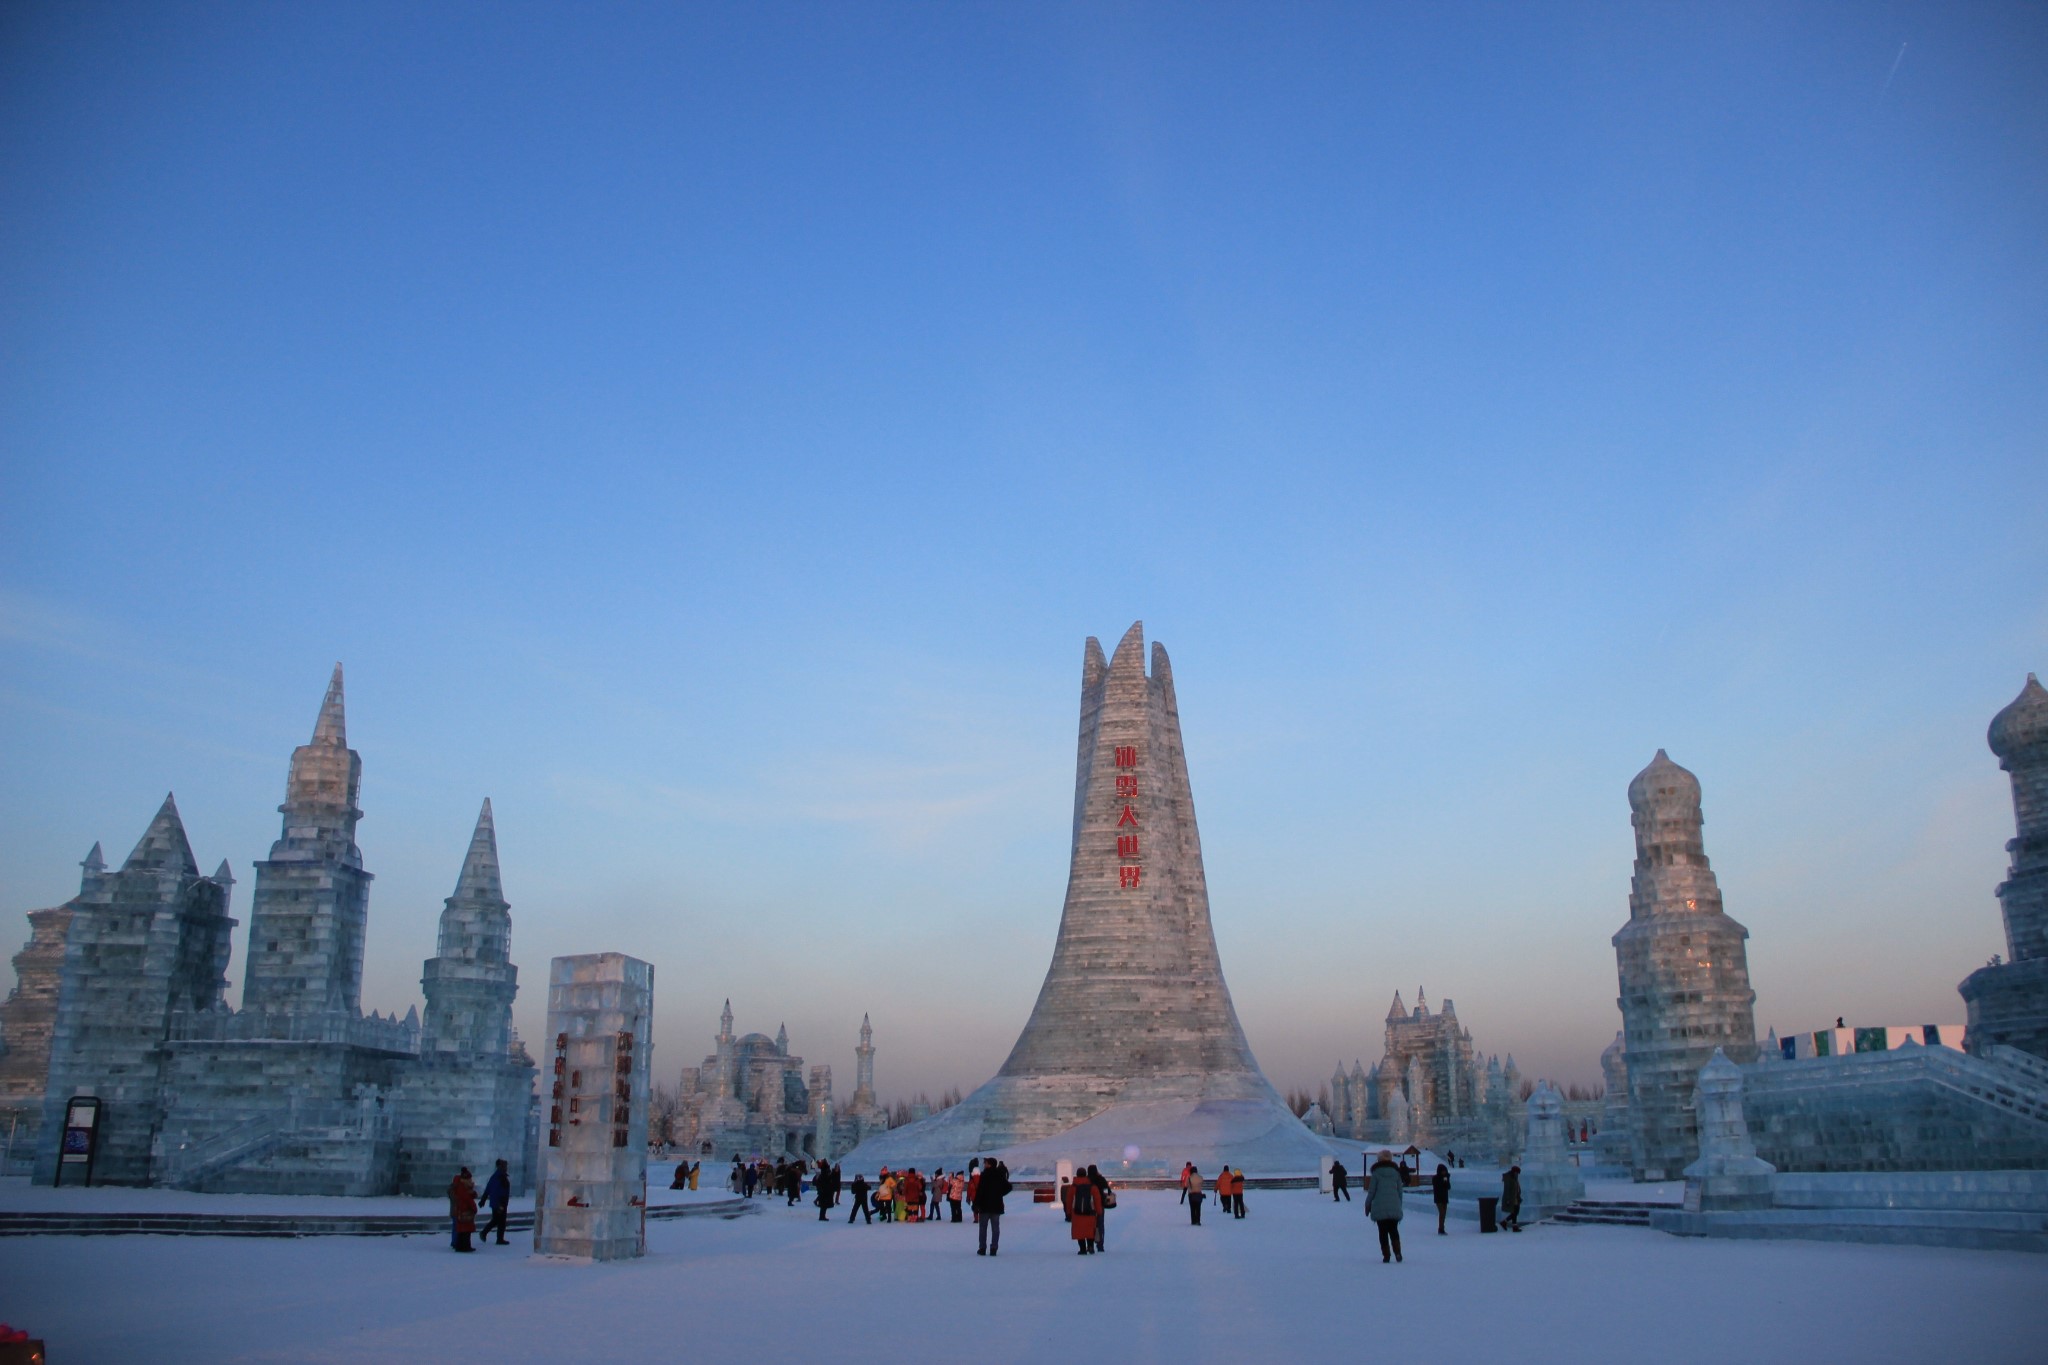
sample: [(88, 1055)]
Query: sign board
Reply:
[(81, 1138), (1328, 1182)]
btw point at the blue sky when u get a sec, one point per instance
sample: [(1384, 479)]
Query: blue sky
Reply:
[(710, 432)]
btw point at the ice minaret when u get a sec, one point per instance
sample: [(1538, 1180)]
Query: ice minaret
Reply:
[(2008, 1003), (312, 900), (1683, 972), (864, 1068), (471, 981), (1133, 1025)]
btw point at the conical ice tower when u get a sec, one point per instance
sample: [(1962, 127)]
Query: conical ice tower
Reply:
[(1134, 1045)]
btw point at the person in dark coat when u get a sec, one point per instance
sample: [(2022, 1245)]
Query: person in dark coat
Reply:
[(1383, 1185), (1340, 1183), (859, 1191), (1440, 1191), (1101, 1184), (1511, 1198), (497, 1194), (462, 1208), (988, 1206)]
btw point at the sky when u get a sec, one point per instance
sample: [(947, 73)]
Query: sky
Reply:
[(711, 432)]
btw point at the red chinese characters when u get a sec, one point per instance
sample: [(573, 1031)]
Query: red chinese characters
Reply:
[(1128, 875)]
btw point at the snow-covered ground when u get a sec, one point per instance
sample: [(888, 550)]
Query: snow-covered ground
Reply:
[(1299, 1279)]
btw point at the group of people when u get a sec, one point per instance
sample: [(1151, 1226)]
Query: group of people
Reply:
[(1229, 1192), (463, 1201)]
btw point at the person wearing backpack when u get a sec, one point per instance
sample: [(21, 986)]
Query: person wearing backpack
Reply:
[(1084, 1203)]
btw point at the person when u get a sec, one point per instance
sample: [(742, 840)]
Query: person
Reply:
[(939, 1185), (860, 1199), (749, 1177), (885, 1197), (681, 1181), (1194, 1191), (1082, 1209), (973, 1187), (1237, 1192), (696, 1168), (956, 1190), (910, 1196), (1383, 1205), (1067, 1198), (1340, 1183), (498, 1193), (988, 1206), (822, 1186), (1187, 1169), (462, 1209), (1511, 1198), (1223, 1191), (1440, 1191), (1103, 1202)]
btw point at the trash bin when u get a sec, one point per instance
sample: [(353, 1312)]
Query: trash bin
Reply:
[(1487, 1205)]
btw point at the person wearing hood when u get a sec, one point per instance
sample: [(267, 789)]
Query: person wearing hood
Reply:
[(1383, 1205), (462, 1208)]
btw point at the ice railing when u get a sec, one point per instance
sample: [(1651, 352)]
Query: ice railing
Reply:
[(366, 1117), (385, 1034)]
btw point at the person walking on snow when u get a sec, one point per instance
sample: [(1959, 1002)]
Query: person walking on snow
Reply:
[(497, 1193), (1194, 1190), (462, 1208), (1187, 1169), (1102, 1205), (1340, 1183), (860, 1200), (1440, 1191), (1083, 1206), (1511, 1198), (1383, 1205), (988, 1206)]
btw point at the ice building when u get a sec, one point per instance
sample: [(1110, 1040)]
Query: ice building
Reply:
[(299, 1091)]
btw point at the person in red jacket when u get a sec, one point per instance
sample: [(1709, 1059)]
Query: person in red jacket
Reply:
[(462, 1208), (1084, 1202)]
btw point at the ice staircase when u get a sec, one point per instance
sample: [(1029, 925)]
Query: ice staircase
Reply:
[(186, 1167), (1606, 1212)]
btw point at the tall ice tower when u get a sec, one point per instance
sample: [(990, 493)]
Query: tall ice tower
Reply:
[(312, 901), (1684, 975), (469, 986), (2008, 1003), (1133, 1051)]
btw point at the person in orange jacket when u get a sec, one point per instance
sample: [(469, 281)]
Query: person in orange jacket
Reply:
[(1187, 1169)]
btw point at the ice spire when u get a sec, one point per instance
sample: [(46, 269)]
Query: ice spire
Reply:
[(95, 861), (480, 879), (1397, 1010), (163, 845), (332, 727)]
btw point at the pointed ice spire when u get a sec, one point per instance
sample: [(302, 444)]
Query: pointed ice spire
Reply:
[(1421, 1001), (95, 861), (782, 1040), (1093, 666), (867, 1030), (479, 880), (332, 727), (1397, 1010), (163, 844), (222, 876)]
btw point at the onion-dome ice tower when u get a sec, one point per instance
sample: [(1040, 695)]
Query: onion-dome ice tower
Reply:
[(2008, 1003), (1133, 1057), (1684, 973)]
